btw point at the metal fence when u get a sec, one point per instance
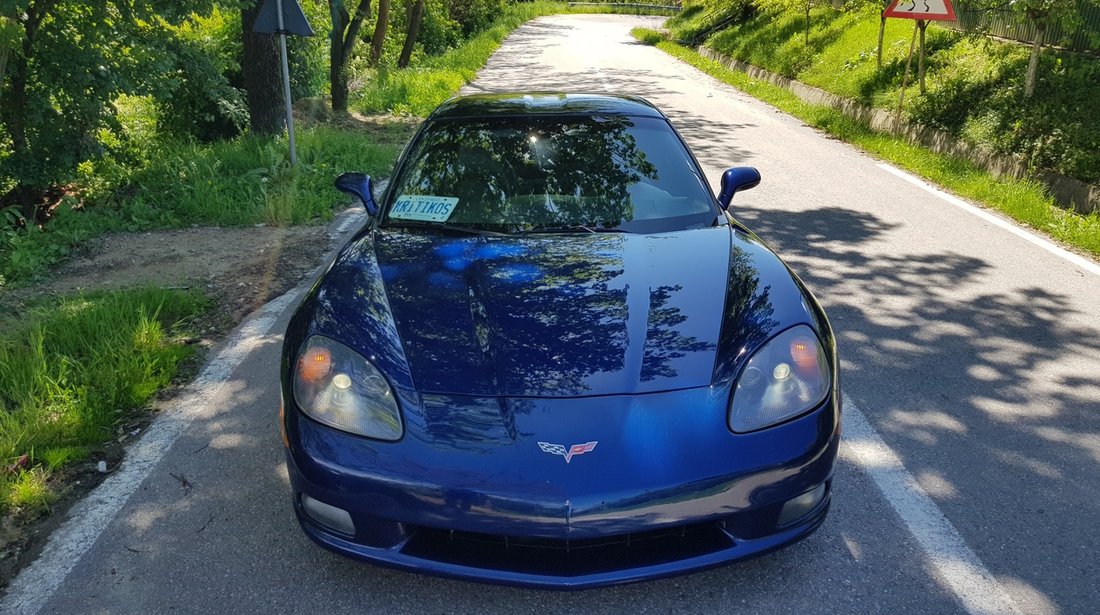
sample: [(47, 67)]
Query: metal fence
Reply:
[(1006, 24), (672, 7)]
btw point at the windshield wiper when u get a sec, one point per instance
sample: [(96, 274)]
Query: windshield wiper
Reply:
[(441, 227), (575, 228)]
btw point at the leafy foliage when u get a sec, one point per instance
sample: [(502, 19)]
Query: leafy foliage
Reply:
[(72, 60), (474, 15), (196, 97), (975, 84)]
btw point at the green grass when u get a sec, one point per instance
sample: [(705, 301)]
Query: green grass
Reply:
[(974, 84), (73, 370), (1025, 201), (229, 183)]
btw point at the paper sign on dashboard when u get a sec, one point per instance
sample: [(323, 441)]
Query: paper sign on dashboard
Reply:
[(424, 207)]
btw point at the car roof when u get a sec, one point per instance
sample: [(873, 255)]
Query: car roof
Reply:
[(543, 103)]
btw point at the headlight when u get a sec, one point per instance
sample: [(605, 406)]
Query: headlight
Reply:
[(337, 387), (787, 377)]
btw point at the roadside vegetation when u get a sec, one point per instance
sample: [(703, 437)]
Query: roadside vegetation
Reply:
[(153, 150), (149, 121), (974, 85), (71, 371), (974, 90), (421, 88), (246, 180)]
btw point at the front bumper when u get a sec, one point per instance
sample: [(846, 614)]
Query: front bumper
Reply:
[(618, 560), (496, 511)]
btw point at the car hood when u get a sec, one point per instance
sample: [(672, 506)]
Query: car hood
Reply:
[(556, 315)]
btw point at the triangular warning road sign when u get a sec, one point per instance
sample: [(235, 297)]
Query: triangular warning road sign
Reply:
[(921, 9), (294, 20)]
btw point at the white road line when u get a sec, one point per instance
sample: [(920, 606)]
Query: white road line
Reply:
[(954, 562), (603, 78), (88, 518), (1049, 246), (344, 226)]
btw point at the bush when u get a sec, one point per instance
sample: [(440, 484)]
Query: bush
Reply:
[(473, 16), (649, 37)]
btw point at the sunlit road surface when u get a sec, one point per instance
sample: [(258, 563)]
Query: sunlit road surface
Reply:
[(971, 368)]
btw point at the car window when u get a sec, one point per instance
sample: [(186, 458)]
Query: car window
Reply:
[(548, 174)]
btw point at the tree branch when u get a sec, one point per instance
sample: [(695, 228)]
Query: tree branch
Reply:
[(356, 24)]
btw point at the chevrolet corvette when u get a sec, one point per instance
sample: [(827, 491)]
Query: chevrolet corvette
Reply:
[(552, 357)]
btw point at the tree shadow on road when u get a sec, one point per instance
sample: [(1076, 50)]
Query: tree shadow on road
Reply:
[(973, 380)]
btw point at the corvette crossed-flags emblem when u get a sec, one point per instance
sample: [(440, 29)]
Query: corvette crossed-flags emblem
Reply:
[(558, 449)]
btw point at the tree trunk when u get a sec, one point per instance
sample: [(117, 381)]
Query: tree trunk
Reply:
[(337, 74), (3, 63), (262, 79), (416, 14), (380, 32), (922, 24), (881, 33), (345, 33), (13, 107), (1033, 62), (13, 111), (807, 23)]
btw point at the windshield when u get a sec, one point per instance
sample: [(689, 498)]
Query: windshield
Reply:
[(551, 174)]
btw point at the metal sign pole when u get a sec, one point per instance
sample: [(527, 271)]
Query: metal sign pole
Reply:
[(905, 80), (286, 84)]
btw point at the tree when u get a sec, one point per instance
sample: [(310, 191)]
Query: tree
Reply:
[(379, 32), (881, 33), (416, 15), (922, 25), (808, 5), (345, 33), (14, 103), (262, 79), (1042, 14), (9, 38), (66, 62)]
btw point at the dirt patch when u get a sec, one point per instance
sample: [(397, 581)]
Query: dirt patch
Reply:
[(239, 268)]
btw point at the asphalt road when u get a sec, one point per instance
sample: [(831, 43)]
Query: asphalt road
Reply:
[(971, 365)]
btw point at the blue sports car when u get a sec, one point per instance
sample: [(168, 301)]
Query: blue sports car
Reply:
[(552, 359)]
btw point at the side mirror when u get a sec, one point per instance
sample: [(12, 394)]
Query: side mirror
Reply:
[(360, 185), (736, 179)]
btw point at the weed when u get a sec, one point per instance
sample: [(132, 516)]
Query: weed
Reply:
[(72, 368), (29, 491)]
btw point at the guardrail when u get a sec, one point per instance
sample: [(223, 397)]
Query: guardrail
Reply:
[(675, 8)]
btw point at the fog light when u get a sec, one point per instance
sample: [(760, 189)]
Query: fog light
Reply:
[(329, 516), (799, 507)]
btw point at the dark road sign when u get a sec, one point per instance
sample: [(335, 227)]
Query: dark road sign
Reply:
[(294, 20)]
